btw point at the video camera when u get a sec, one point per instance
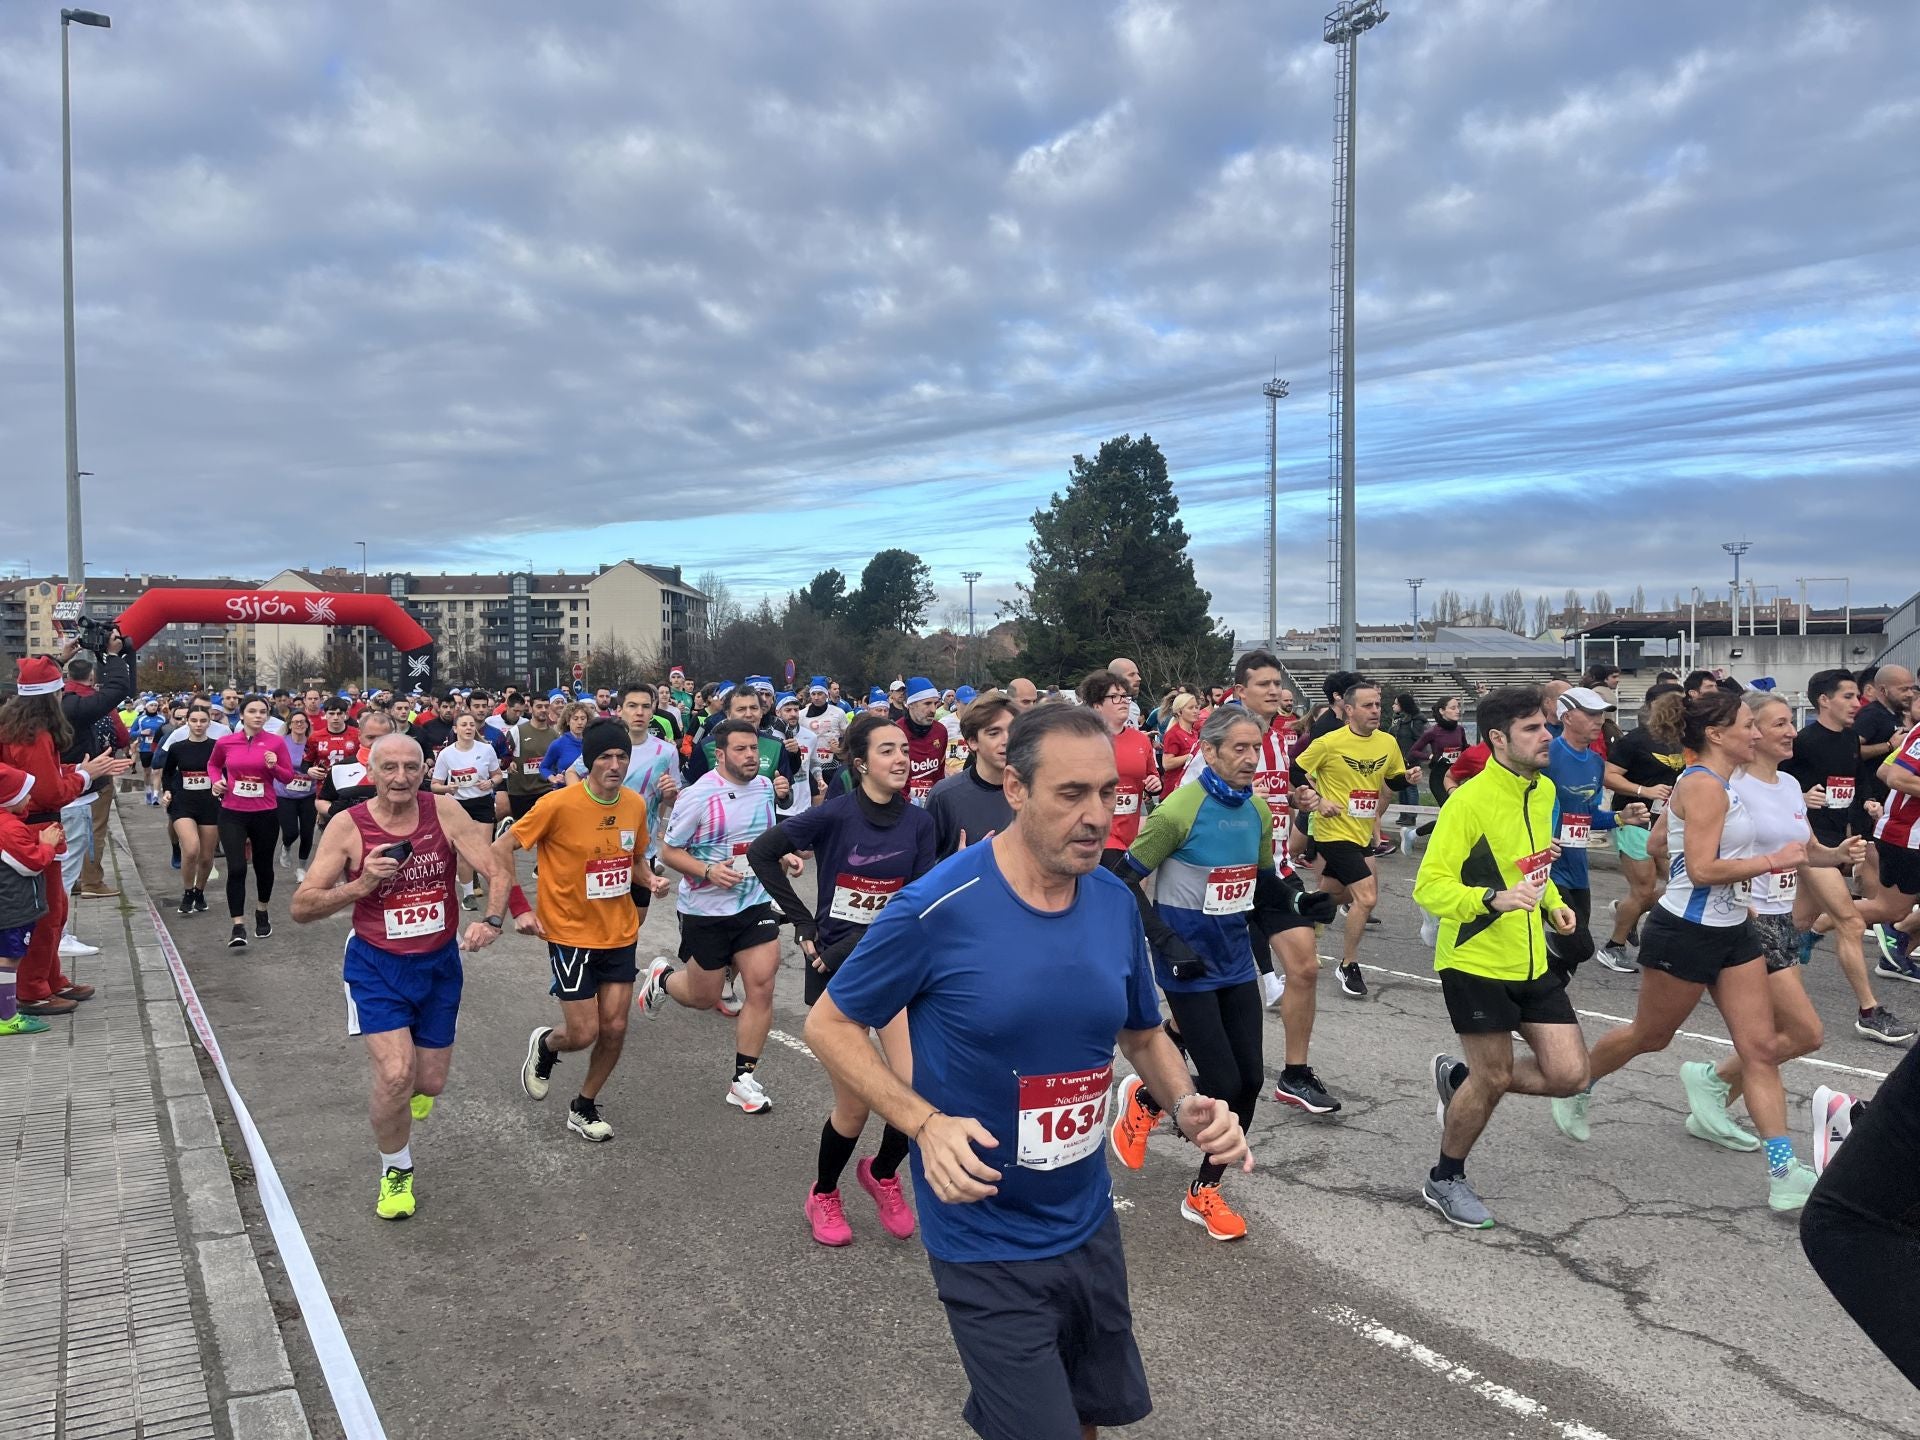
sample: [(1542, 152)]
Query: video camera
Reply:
[(93, 634)]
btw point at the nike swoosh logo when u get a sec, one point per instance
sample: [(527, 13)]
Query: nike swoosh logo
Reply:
[(854, 857)]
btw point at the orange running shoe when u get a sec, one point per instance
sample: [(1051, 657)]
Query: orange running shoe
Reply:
[(1206, 1206), (1136, 1122)]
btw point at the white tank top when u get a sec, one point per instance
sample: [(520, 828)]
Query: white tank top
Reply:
[(1722, 906), (1779, 813)]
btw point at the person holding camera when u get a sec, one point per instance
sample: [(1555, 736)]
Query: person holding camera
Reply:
[(89, 700)]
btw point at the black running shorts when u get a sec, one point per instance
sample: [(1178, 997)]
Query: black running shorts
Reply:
[(711, 941), (1480, 1006)]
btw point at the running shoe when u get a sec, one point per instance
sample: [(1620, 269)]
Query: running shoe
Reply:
[(583, 1119), (469, 900), (199, 902), (1204, 1205), (1790, 1191), (745, 1092), (1352, 982), (1615, 960), (1456, 1201), (828, 1219), (174, 863), (23, 1025), (262, 925), (1305, 1093), (1832, 1123), (1570, 1114), (1443, 1085), (651, 997), (536, 1068), (213, 874), (1273, 985), (237, 940), (895, 1218), (421, 1106), (1135, 1123), (1633, 934), (1896, 960), (1406, 839), (1883, 1025), (1429, 929), (396, 1194), (299, 874), (186, 902), (1807, 941), (501, 826), (1707, 1117), (71, 945), (729, 1002)]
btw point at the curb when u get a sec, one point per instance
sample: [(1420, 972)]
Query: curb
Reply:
[(251, 1367)]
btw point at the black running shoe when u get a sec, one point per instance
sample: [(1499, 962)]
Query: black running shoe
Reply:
[(1352, 982), (186, 902), (262, 924), (237, 940), (1305, 1093), (199, 902)]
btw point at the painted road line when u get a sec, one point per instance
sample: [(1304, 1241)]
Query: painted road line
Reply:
[(1505, 1397), (1812, 1060)]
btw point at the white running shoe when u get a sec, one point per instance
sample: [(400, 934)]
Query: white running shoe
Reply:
[(1832, 1123), (730, 1003), (651, 996), (1429, 929), (746, 1093), (73, 945), (1272, 986)]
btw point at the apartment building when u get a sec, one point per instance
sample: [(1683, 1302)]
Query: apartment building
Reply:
[(210, 654)]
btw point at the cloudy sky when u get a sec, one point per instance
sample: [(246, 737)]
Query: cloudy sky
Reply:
[(761, 288)]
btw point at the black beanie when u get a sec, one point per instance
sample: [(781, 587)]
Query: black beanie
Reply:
[(602, 736)]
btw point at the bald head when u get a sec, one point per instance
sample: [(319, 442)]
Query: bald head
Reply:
[(1895, 685), (1127, 671), (1550, 694), (1023, 693)]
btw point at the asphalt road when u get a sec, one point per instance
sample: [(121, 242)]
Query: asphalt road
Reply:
[(665, 1285)]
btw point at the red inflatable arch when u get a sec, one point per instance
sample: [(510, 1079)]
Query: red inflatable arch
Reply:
[(145, 618)]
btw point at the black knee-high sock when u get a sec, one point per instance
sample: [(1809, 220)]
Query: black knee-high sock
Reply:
[(893, 1149), (835, 1150)]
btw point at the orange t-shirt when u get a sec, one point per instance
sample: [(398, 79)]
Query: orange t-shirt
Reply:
[(592, 854)]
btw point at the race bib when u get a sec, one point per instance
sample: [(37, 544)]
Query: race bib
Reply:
[(1126, 802), (248, 789), (1535, 868), (194, 780), (918, 791), (1282, 830), (1449, 758), (463, 777), (1778, 886), (1229, 890), (1062, 1117), (410, 916), (609, 878), (857, 899), (740, 849), (1363, 804), (1575, 831), (301, 786), (529, 767), (1840, 792)]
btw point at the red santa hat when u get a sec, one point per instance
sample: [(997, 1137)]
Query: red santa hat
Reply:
[(15, 785), (39, 676)]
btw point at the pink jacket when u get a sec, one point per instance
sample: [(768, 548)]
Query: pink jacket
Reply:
[(242, 764)]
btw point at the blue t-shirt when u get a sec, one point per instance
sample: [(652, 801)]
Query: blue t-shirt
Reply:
[(847, 845), (998, 997), (1576, 776), (146, 728)]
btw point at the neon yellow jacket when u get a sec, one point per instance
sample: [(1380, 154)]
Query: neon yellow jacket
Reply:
[(1491, 829)]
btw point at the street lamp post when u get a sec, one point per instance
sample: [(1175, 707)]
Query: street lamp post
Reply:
[(363, 629), (1414, 585), (970, 576), (76, 561)]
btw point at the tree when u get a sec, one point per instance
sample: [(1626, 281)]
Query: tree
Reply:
[(1111, 575), (723, 610), (825, 595), (895, 590), (1448, 608), (1483, 612), (1542, 614), (1639, 599), (1513, 611), (1602, 603), (1571, 614)]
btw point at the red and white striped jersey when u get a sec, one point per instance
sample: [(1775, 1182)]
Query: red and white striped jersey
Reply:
[(1899, 823)]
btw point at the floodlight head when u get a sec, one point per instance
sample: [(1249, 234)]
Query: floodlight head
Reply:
[(1355, 17), (1275, 389), (86, 17)]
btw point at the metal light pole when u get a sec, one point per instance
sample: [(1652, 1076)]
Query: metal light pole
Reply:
[(1736, 548), (363, 629), (970, 576), (76, 560), (1414, 585), (1345, 24), (1275, 390)]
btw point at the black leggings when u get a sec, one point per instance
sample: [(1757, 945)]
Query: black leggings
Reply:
[(237, 829), (1220, 1031), (296, 821), (1861, 1229)]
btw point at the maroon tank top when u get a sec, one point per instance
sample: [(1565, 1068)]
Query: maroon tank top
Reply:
[(416, 911)]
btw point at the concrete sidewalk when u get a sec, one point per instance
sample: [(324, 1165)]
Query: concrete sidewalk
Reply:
[(131, 1301)]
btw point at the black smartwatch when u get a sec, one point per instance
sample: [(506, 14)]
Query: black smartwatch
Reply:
[(1489, 895), (495, 921)]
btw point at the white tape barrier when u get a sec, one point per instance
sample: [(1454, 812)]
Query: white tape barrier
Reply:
[(347, 1385)]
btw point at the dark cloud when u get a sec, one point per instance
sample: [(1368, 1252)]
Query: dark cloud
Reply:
[(748, 287)]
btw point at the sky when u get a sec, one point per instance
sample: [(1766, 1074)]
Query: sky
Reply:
[(760, 289)]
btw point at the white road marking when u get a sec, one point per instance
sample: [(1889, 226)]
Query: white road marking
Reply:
[(1501, 1395), (791, 1042), (1623, 1019)]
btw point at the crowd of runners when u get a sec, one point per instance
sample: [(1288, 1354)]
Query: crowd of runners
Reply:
[(1008, 884)]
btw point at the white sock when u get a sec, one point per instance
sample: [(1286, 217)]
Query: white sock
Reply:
[(401, 1159)]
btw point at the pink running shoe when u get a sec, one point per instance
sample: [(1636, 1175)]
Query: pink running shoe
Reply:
[(894, 1214), (828, 1220)]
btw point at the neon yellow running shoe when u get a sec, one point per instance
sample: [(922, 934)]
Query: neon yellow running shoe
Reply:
[(422, 1106), (396, 1195), (23, 1025)]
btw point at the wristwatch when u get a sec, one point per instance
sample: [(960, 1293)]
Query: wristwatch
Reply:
[(495, 921), (1488, 896)]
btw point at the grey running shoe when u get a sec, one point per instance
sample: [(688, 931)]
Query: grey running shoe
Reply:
[(1443, 1084), (1883, 1025), (1615, 960), (1455, 1200)]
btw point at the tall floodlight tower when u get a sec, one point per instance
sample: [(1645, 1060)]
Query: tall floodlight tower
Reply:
[(1275, 390), (1346, 23), (1736, 548)]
